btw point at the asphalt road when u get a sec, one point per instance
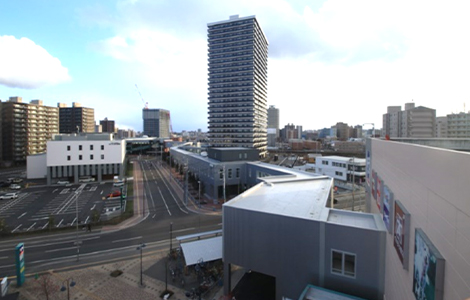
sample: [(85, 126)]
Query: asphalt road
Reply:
[(159, 204)]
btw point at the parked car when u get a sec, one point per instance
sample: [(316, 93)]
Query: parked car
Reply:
[(118, 183), (86, 179), (17, 180), (15, 186), (63, 182), (4, 184), (9, 196)]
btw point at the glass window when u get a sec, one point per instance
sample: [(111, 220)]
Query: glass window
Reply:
[(229, 173), (79, 157), (68, 147), (221, 173), (343, 263), (237, 173), (68, 157), (102, 147), (91, 147), (91, 156), (80, 147), (102, 156)]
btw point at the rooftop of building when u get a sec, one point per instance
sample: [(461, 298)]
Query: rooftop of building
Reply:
[(84, 136), (345, 159)]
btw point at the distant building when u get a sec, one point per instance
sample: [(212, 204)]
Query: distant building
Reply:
[(26, 128), (458, 125), (76, 118), (98, 128), (342, 131), (291, 131), (273, 125), (441, 127), (342, 168), (419, 122), (238, 69), (107, 125), (156, 122)]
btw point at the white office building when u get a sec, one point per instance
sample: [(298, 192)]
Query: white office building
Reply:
[(71, 157), (342, 168)]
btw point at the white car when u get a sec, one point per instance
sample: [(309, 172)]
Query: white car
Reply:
[(9, 196), (86, 179), (63, 182), (15, 186), (118, 183)]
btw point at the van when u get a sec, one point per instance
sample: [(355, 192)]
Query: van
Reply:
[(9, 196)]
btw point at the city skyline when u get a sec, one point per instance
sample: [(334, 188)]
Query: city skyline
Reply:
[(329, 62)]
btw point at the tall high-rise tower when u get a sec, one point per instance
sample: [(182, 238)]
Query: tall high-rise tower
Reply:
[(156, 122), (238, 79)]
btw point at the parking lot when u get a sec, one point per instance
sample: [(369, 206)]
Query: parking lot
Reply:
[(40, 207)]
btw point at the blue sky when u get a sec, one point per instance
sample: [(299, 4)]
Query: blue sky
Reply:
[(333, 61)]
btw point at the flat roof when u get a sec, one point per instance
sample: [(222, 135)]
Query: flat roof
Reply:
[(295, 197), (345, 158), (312, 292), (202, 250), (353, 219)]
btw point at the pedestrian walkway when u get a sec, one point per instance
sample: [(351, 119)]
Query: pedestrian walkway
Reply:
[(96, 283)]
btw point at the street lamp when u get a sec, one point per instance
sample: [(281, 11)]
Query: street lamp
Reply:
[(141, 247), (70, 283)]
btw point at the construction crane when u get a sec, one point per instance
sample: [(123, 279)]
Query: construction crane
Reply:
[(146, 104)]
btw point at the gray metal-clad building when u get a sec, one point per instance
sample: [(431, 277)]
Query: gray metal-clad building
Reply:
[(282, 228)]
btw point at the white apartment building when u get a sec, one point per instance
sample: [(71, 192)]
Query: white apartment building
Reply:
[(423, 195), (417, 122), (70, 157), (342, 168)]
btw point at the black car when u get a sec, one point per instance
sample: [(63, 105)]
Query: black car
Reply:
[(4, 184)]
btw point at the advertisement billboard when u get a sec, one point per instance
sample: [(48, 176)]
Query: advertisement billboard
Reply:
[(387, 207), (428, 271), (401, 233), (20, 267), (373, 186), (379, 192)]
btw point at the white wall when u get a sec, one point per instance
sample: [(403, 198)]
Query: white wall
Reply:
[(433, 185), (57, 153), (36, 166)]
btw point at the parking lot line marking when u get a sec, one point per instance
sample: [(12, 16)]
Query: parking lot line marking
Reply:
[(55, 191), (125, 240), (60, 222), (4, 257), (75, 219), (31, 226), (153, 217), (16, 228), (45, 225), (93, 207), (22, 215), (101, 193), (87, 219)]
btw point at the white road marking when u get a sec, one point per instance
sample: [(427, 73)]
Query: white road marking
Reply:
[(153, 217), (93, 207), (61, 249), (125, 240), (60, 222), (31, 226), (17, 228), (22, 215), (45, 225), (55, 191), (87, 219)]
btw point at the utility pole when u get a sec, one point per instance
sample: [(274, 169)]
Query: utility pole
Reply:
[(353, 186)]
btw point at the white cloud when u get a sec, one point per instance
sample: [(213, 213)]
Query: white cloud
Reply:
[(23, 64)]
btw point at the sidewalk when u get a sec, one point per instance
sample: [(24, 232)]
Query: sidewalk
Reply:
[(98, 284)]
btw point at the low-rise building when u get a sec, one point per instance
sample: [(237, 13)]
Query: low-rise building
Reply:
[(345, 169)]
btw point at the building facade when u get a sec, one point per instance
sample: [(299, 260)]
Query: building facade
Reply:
[(273, 125), (413, 122), (458, 125), (156, 122), (422, 194), (441, 127), (107, 125), (70, 157), (238, 59), (76, 119), (26, 128)]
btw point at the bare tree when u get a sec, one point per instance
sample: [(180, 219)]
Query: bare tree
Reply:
[(46, 285)]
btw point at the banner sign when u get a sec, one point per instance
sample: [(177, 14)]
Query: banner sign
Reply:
[(20, 267), (387, 208), (401, 233)]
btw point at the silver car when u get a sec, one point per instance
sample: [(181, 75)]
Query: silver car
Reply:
[(8, 196)]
